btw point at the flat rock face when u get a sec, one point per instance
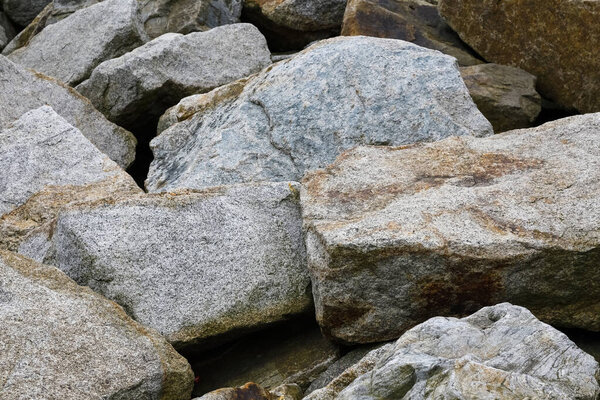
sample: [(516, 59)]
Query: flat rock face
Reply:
[(191, 265), (47, 163), (70, 49), (505, 95), (555, 40), (500, 352), (63, 341), (301, 113), (26, 90), (154, 77), (416, 21), (23, 11), (397, 235)]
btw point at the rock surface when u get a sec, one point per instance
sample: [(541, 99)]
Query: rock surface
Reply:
[(249, 391), (555, 40), (70, 49), (398, 235), (301, 113), (416, 21), (63, 341), (27, 90), (47, 163), (23, 11), (500, 352), (505, 95), (7, 31), (142, 84), (191, 265)]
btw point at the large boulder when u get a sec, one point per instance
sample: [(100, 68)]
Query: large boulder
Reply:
[(499, 353), (63, 341), (301, 113), (397, 235), (24, 90), (140, 85), (193, 266), (23, 12), (555, 40), (505, 95), (70, 49), (46, 164), (7, 31), (416, 21)]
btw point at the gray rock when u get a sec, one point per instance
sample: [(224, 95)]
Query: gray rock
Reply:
[(23, 11), (26, 90), (70, 49), (191, 265), (142, 84), (398, 235), (499, 353), (7, 31), (250, 391), (63, 341), (47, 163), (301, 113), (505, 95)]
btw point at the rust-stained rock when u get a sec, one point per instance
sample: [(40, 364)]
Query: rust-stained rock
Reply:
[(397, 235), (555, 40), (416, 21)]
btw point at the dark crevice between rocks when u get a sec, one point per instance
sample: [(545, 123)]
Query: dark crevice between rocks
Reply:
[(586, 340), (144, 133), (551, 112)]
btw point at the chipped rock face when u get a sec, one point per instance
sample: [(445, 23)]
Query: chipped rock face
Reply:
[(398, 235), (63, 341), (555, 40), (191, 265), (301, 113), (416, 21), (150, 79), (70, 49), (46, 164), (34, 90)]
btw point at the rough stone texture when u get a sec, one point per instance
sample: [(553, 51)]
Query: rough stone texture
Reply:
[(7, 31), (292, 24), (397, 235), (416, 21), (301, 113), (63, 341), (23, 12), (270, 359), (505, 95), (555, 40), (26, 90), (191, 265), (150, 79), (70, 49), (250, 391), (47, 163), (499, 353)]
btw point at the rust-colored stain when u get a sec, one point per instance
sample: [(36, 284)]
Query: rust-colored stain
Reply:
[(340, 315), (250, 391)]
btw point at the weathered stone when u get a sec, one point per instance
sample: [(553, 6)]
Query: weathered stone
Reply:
[(416, 21), (292, 24), (191, 265), (505, 95), (25, 90), (71, 48), (397, 235), (289, 391), (142, 84), (63, 341), (250, 391), (301, 113), (46, 164), (23, 12), (555, 40), (501, 352), (7, 31)]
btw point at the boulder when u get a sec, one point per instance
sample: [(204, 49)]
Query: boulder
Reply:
[(501, 352), (195, 266), (7, 31), (292, 24), (505, 95), (63, 341), (301, 113), (70, 49), (416, 21), (23, 12), (398, 235), (26, 90), (555, 40), (140, 85), (249, 391), (46, 164)]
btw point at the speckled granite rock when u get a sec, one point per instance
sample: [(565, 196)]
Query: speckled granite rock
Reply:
[(398, 235), (23, 12)]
